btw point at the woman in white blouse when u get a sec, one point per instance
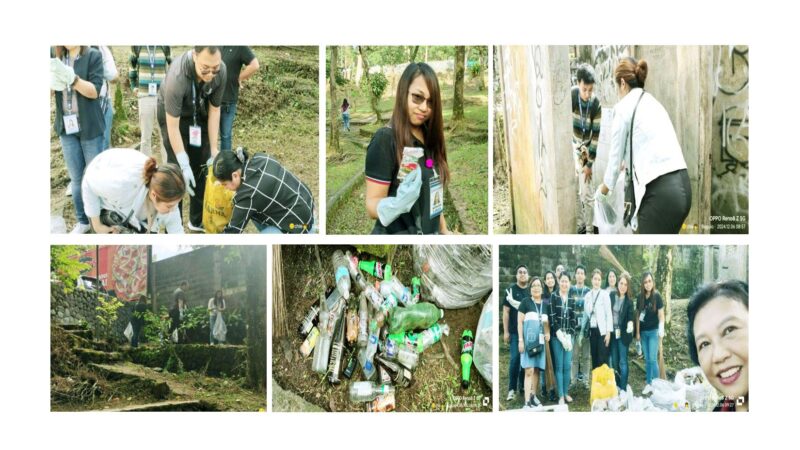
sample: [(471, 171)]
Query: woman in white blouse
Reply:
[(660, 179), (126, 191), (597, 306)]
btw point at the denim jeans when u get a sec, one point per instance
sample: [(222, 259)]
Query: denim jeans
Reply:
[(650, 350), (346, 121), (109, 119), (516, 377), (226, 116), (78, 153), (619, 362), (562, 360)]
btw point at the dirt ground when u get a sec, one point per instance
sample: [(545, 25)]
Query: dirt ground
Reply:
[(436, 384), (277, 114)]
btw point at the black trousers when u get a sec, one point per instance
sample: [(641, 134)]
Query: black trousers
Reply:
[(666, 204), (598, 348), (197, 161)]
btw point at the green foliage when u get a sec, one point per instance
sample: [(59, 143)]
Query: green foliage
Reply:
[(106, 315), (475, 70), (65, 264), (120, 112), (377, 85), (155, 325)]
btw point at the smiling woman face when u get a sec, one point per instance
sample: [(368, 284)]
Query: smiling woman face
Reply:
[(721, 337), (419, 102)]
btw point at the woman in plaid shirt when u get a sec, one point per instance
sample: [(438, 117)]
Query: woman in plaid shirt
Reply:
[(563, 323)]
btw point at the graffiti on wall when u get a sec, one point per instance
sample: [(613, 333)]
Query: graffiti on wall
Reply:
[(541, 146), (604, 60)]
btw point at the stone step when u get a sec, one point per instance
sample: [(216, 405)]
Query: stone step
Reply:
[(89, 355), (86, 334), (70, 327), (173, 405), (158, 384)]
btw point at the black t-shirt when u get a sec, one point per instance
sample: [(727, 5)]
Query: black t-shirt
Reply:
[(650, 315), (234, 57), (528, 305), (382, 167), (518, 294), (175, 95)]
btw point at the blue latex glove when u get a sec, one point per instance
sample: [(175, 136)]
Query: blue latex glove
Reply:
[(188, 176), (390, 208)]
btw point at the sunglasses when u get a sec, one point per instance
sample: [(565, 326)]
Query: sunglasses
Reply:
[(418, 99), (204, 70)]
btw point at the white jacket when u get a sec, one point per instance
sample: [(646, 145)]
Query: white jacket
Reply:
[(113, 181), (656, 150), (602, 310)]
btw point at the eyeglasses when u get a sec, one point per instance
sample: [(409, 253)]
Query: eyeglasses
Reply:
[(205, 70), (418, 99)]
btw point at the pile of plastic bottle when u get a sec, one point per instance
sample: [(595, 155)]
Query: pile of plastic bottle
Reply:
[(381, 332)]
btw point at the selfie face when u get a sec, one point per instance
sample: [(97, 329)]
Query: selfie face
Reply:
[(721, 336)]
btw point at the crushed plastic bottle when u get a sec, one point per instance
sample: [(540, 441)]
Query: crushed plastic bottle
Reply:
[(366, 357), (308, 321), (310, 342), (430, 336), (396, 288), (365, 391), (363, 318), (414, 317), (341, 273), (335, 362), (322, 350)]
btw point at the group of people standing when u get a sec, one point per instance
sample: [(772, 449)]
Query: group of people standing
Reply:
[(193, 98), (558, 325)]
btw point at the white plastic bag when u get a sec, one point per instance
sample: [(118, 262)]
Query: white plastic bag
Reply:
[(699, 392), (454, 276), (128, 332), (669, 396), (174, 336), (482, 353), (220, 329), (608, 215)]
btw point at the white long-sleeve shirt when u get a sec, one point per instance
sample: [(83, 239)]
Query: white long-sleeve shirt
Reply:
[(113, 181), (599, 311), (110, 71), (656, 150)]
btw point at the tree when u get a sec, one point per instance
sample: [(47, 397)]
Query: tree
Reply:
[(373, 100), (65, 264), (458, 94), (255, 260), (279, 326), (413, 57), (663, 275), (334, 122)]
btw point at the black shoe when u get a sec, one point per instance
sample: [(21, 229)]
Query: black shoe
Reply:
[(553, 396), (581, 230)]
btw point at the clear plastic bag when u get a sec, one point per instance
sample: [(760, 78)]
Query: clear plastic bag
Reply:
[(128, 332), (699, 392), (608, 214), (454, 276), (482, 352), (220, 329), (669, 396)]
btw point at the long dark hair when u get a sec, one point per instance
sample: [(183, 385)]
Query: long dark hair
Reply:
[(547, 291), (345, 104), (433, 129), (218, 298), (643, 295)]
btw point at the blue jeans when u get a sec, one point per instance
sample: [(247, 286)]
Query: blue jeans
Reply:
[(346, 120), (78, 153), (650, 350), (109, 119), (619, 362), (226, 116), (562, 360), (516, 376)]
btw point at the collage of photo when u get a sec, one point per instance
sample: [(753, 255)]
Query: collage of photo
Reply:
[(500, 145)]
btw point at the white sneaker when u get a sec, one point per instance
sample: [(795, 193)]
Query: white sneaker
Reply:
[(647, 389), (193, 227), (81, 228), (511, 396), (68, 191), (535, 402)]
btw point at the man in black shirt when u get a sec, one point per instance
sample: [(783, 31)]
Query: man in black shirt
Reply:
[(234, 57), (513, 297), (188, 114)]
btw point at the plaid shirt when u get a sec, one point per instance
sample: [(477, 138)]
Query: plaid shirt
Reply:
[(271, 196)]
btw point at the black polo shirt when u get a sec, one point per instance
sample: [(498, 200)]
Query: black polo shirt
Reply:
[(234, 57), (175, 95)]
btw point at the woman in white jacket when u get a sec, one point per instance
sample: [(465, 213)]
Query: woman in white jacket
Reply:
[(125, 191), (661, 182), (597, 306)]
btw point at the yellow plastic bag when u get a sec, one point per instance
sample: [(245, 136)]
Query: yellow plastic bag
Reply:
[(217, 205), (603, 384)]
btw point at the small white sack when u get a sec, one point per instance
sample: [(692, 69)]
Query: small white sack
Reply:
[(128, 332), (220, 329)]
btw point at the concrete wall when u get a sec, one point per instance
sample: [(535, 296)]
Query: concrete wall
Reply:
[(535, 85), (79, 306), (725, 262)]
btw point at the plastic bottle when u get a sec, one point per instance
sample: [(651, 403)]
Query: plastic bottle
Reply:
[(310, 342), (407, 357), (367, 362), (416, 285), (341, 273), (308, 321), (335, 362), (401, 340), (430, 336), (355, 274), (414, 317), (389, 348), (376, 269), (399, 375), (373, 296), (352, 324), (322, 349), (466, 357), (402, 293), (389, 303), (363, 317), (365, 391)]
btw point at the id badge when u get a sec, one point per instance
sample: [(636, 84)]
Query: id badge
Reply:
[(195, 136), (152, 89), (641, 316), (541, 339), (71, 125), (437, 197), (617, 333), (544, 318)]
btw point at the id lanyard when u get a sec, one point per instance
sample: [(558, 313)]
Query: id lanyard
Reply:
[(583, 118), (151, 56), (565, 311), (194, 103), (70, 92)]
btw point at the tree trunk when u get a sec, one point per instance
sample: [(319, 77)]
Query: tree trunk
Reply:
[(663, 279), (458, 94), (373, 102), (413, 56), (334, 119), (482, 57), (279, 326), (255, 260)]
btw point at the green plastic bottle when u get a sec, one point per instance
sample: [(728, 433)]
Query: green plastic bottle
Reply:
[(376, 269), (416, 284), (466, 357), (414, 317)]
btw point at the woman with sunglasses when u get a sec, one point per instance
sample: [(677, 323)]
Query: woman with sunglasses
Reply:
[(413, 141), (189, 102)]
